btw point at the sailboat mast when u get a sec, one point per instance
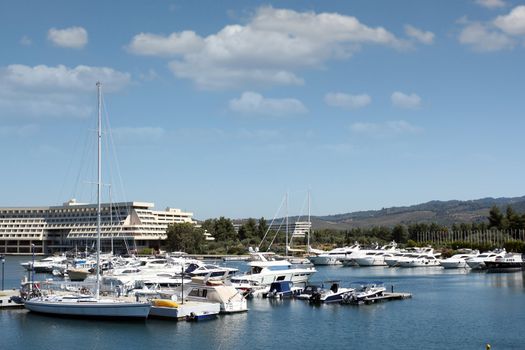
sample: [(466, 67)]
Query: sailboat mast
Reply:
[(286, 250), (309, 224), (99, 181)]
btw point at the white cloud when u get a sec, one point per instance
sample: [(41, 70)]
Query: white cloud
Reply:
[(484, 39), (26, 41), (339, 99), (400, 99), (158, 45), (42, 90), (420, 35), (72, 37), (254, 103), (386, 129), (268, 49), (491, 4), (513, 23)]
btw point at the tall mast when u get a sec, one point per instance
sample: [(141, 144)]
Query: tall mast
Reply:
[(286, 249), (309, 224), (99, 182)]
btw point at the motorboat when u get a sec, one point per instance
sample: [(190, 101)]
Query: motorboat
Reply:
[(204, 289), (334, 256), (264, 272), (510, 262), (78, 274), (308, 291), (281, 289), (479, 262), (196, 269), (422, 260), (45, 265), (458, 261), (334, 294), (365, 291), (370, 257), (188, 310)]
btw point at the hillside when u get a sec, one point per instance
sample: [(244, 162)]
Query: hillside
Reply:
[(440, 212)]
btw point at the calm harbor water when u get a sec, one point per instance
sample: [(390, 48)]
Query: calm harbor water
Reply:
[(450, 309)]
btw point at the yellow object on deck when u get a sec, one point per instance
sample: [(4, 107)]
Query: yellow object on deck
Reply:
[(164, 303)]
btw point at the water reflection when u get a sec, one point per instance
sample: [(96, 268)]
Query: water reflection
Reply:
[(510, 280)]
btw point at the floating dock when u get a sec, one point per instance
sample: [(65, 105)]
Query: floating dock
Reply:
[(387, 297), (5, 299)]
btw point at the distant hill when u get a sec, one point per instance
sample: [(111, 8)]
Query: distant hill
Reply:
[(440, 212)]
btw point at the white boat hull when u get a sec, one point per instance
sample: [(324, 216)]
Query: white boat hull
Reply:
[(188, 309), (376, 261), (91, 309), (457, 264), (325, 260)]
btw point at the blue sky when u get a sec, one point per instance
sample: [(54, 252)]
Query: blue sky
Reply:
[(221, 107)]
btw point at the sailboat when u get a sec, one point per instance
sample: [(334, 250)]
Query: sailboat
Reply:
[(83, 306)]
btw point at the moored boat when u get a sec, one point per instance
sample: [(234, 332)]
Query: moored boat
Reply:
[(479, 262), (189, 310), (334, 294), (510, 262), (87, 306)]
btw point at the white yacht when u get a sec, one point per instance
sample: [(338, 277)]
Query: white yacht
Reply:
[(478, 262), (264, 272), (210, 270), (373, 257), (458, 261), (204, 289), (395, 260), (422, 260), (508, 263), (46, 265), (334, 256), (79, 305)]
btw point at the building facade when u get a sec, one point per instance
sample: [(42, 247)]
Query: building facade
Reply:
[(132, 225)]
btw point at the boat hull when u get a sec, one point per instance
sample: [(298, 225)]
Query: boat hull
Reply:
[(88, 309), (324, 260), (496, 266), (454, 264), (189, 310)]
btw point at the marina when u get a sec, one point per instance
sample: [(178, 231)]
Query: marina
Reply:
[(430, 295)]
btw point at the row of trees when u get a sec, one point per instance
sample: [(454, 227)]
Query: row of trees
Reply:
[(186, 237), (511, 220)]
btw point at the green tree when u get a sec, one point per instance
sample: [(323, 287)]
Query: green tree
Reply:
[(224, 230), (248, 229), (496, 218), (185, 237), (262, 227), (399, 234)]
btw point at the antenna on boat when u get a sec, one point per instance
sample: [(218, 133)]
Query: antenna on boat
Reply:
[(99, 182)]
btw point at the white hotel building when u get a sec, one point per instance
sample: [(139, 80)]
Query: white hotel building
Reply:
[(59, 228)]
